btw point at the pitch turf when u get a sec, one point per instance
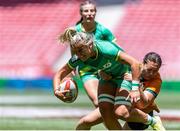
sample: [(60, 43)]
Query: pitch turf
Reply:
[(166, 100), (57, 124)]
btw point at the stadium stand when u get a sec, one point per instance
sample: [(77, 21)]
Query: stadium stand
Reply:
[(29, 32), (153, 26), (29, 47), (29, 29)]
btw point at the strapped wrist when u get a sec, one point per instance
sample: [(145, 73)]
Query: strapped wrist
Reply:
[(135, 85)]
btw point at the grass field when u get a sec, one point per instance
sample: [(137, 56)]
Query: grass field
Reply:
[(58, 124), (166, 100)]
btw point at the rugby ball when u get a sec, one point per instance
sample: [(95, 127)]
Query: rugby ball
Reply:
[(69, 84)]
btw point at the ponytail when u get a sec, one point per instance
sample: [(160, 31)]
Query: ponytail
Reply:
[(73, 37), (67, 35)]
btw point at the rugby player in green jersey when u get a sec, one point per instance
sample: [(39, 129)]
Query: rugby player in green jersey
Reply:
[(111, 59), (85, 74), (87, 24)]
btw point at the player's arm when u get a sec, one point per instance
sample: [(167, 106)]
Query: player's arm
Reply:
[(135, 68), (146, 98), (58, 77), (134, 64)]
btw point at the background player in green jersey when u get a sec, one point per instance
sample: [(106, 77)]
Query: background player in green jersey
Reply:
[(111, 59)]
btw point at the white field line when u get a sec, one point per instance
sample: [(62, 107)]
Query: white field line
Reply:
[(34, 99), (20, 111), (49, 112), (33, 112)]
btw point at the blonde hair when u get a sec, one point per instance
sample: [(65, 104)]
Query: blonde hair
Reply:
[(73, 37)]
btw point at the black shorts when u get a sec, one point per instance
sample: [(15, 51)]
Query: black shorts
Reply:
[(138, 125)]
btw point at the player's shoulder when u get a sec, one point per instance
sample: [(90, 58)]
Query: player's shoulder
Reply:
[(102, 43), (107, 47), (100, 26), (158, 78), (78, 27), (107, 44), (155, 82), (74, 59)]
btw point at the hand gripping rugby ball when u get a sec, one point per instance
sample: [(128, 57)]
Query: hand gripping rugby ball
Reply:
[(71, 85)]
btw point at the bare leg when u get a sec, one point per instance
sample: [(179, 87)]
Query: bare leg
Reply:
[(137, 115), (91, 87), (89, 120), (93, 118), (106, 93)]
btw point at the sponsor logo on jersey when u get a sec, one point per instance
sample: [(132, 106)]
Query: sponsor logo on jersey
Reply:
[(74, 58)]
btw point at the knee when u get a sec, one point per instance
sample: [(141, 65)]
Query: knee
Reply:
[(122, 112)]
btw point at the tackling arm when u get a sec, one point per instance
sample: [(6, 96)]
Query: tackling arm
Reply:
[(135, 68), (146, 99)]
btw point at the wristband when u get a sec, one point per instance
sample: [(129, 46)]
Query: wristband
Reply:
[(135, 85)]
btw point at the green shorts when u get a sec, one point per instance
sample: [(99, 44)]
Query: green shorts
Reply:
[(86, 77), (87, 73), (121, 83)]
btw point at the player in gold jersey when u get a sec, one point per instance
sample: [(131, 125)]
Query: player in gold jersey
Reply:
[(150, 82)]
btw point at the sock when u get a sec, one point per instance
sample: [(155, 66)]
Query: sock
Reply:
[(150, 120)]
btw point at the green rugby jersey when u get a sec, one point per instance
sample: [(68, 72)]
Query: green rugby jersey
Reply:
[(100, 32), (106, 60)]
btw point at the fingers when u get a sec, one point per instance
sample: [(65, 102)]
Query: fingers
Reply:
[(64, 91), (138, 99), (62, 94), (134, 97), (131, 98), (128, 97)]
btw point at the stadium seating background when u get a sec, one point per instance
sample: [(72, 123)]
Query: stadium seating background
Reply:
[(29, 30)]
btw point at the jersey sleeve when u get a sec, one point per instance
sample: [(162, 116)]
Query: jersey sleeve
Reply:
[(73, 62), (78, 27), (154, 86), (109, 36), (106, 33)]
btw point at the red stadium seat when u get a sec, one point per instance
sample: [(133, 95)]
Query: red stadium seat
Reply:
[(153, 25), (29, 36)]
